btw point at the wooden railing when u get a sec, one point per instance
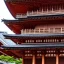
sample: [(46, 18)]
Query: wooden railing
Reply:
[(40, 13), (42, 31)]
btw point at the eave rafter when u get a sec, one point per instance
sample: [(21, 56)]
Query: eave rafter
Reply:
[(28, 3), (35, 3), (16, 53), (17, 41), (40, 1), (10, 52), (14, 28)]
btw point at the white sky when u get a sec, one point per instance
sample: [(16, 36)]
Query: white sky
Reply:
[(4, 14)]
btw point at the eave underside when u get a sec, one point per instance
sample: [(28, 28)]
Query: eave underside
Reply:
[(21, 7), (32, 0), (9, 52)]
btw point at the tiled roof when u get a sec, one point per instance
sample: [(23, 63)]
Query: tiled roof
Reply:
[(35, 46), (33, 35)]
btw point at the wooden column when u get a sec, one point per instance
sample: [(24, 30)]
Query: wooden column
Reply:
[(57, 59), (22, 61), (23, 57), (33, 59), (43, 59)]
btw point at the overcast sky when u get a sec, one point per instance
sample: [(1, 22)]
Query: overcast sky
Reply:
[(4, 14)]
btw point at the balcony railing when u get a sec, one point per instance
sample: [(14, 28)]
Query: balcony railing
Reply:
[(42, 31), (40, 13)]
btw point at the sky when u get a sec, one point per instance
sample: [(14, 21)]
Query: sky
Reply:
[(4, 14)]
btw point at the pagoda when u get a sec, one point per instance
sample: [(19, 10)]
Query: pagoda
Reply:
[(39, 30)]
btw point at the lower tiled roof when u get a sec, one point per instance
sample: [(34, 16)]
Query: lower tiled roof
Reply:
[(35, 46), (33, 35)]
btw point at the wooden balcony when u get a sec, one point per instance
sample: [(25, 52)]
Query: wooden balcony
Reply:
[(42, 31), (41, 13)]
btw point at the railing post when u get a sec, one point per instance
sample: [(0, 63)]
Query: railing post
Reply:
[(37, 11), (47, 9), (25, 31), (39, 30), (22, 31), (61, 30), (52, 9)]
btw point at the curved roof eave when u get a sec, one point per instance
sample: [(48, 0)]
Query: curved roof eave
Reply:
[(10, 10), (5, 41), (15, 8)]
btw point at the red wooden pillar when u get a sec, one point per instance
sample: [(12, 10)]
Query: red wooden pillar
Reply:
[(23, 57), (43, 59), (23, 61), (57, 58), (33, 59)]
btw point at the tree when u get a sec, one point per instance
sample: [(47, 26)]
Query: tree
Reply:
[(10, 59)]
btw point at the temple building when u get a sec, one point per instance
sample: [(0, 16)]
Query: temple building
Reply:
[(39, 30)]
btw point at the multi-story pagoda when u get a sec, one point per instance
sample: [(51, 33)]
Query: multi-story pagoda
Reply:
[(39, 28)]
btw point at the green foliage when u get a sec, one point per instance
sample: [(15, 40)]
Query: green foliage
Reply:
[(10, 59), (18, 61)]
